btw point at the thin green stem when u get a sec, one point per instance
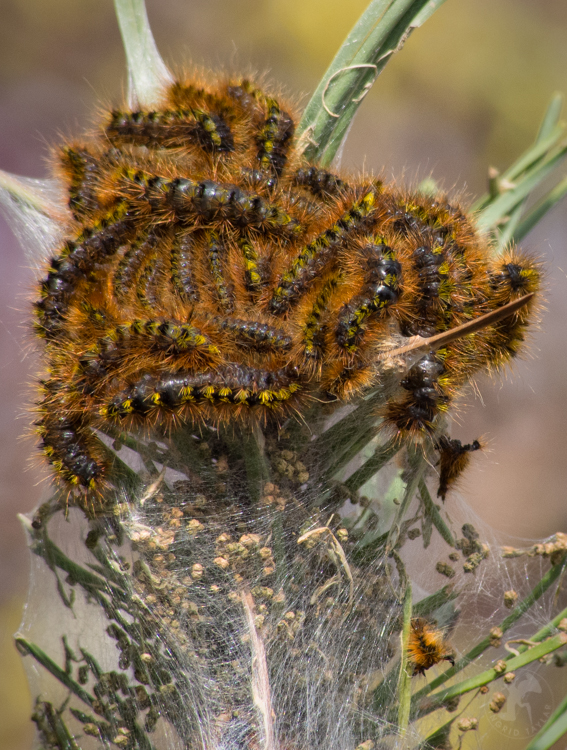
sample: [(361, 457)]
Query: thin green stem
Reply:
[(330, 444), (362, 439), (550, 133), (551, 116), (546, 631), (509, 231), (369, 468), (501, 207), (26, 647), (543, 207), (427, 606), (416, 471)]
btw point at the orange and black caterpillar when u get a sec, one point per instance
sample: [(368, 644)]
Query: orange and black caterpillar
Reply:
[(427, 646), (211, 272), (453, 460)]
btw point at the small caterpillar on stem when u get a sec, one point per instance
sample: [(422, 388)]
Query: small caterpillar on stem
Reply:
[(427, 646)]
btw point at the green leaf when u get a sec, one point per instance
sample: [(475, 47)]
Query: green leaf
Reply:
[(502, 208), (147, 73), (554, 728), (26, 647), (381, 31), (551, 117), (433, 514), (548, 137), (492, 215), (509, 231), (541, 209)]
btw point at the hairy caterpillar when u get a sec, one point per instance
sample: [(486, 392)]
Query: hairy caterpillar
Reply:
[(427, 646), (211, 273)]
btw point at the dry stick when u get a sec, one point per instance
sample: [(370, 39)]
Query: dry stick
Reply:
[(442, 339), (340, 554), (260, 675)]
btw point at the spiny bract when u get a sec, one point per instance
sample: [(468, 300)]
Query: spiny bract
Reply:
[(211, 273)]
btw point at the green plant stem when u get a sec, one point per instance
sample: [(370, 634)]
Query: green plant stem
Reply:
[(540, 210), (148, 74), (492, 215), (50, 722), (510, 230), (489, 675), (404, 680), (379, 458), (507, 230), (257, 466), (416, 471), (551, 116), (52, 554), (550, 133), (547, 630), (330, 445), (362, 439), (427, 606)]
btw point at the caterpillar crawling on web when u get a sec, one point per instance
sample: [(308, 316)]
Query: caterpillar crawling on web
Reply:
[(211, 273)]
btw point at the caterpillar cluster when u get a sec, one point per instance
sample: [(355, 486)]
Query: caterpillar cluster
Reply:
[(210, 272)]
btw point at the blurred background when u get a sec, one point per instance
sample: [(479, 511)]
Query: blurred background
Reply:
[(468, 91)]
